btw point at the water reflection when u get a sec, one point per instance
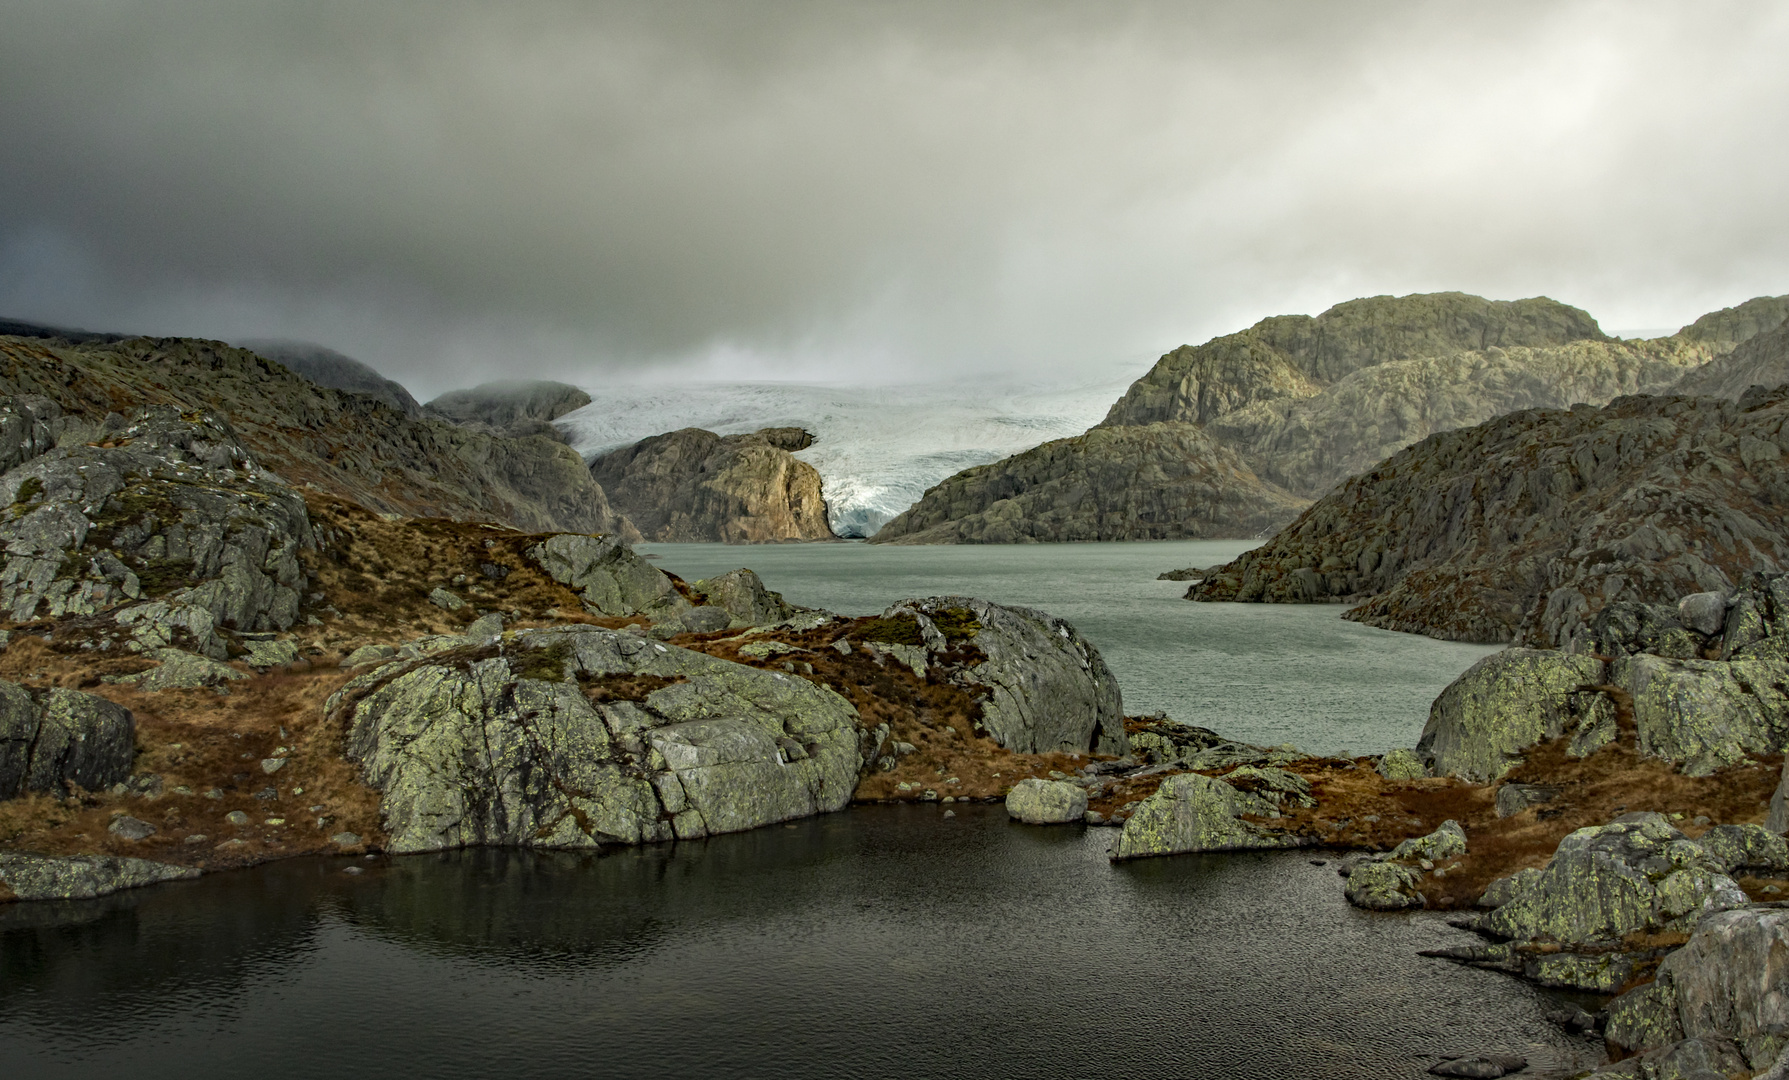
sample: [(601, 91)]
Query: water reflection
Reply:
[(870, 943)]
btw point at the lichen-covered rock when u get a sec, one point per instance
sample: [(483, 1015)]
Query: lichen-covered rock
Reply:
[(1383, 886), (1444, 843), (183, 671), (1046, 802), (55, 738), (575, 737), (1048, 688), (1192, 812), (167, 506), (1401, 765), (80, 877), (1159, 740), (744, 598), (1509, 701), (1504, 889), (1637, 874), (1748, 847), (1730, 981), (1706, 713), (609, 577)]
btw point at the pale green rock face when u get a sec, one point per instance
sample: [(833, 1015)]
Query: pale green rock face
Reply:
[(1401, 765), (1383, 886), (1444, 843), (1046, 802), (1605, 882), (507, 749), (1192, 812), (81, 877), (1509, 701), (1706, 713), (610, 578)]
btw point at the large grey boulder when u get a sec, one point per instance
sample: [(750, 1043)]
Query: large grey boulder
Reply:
[(1746, 847), (609, 577), (168, 506), (1046, 802), (1707, 714), (744, 598), (80, 877), (1383, 886), (1729, 982), (1047, 688), (58, 737), (1192, 812), (1509, 701), (1635, 875), (578, 736)]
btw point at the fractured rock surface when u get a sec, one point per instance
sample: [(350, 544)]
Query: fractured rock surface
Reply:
[(692, 486)]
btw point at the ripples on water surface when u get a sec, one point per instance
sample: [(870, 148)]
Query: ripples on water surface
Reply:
[(1261, 673), (879, 942)]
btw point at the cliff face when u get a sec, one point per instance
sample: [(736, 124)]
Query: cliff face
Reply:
[(1523, 527), (1311, 444), (694, 486), (1295, 356), (510, 408), (326, 367), (343, 443), (1759, 361), (1725, 329), (1156, 482)]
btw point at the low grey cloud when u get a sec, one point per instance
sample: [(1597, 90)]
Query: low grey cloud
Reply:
[(870, 191)]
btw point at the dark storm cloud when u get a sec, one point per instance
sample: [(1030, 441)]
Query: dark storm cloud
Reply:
[(866, 190)]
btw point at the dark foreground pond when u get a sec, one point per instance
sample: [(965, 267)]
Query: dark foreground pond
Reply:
[(880, 942)]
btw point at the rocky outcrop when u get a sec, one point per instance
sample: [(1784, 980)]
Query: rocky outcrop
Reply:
[(1046, 687), (695, 486), (1389, 882), (1162, 481), (1193, 812), (576, 737), (744, 598), (1726, 329), (342, 443), (1759, 361), (1293, 356), (167, 507), (1046, 802), (79, 877), (1525, 527), (510, 408), (1509, 701), (1723, 992), (609, 578), (52, 739), (1574, 924), (326, 367)]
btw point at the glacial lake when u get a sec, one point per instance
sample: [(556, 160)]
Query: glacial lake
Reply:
[(877, 942), (1259, 673)]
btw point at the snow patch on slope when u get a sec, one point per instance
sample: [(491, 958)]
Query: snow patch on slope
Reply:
[(877, 448)]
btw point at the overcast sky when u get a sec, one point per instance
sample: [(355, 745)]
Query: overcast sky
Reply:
[(871, 191)]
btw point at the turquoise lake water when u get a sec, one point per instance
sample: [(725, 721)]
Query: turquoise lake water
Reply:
[(1260, 673)]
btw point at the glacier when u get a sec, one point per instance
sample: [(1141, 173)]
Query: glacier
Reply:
[(877, 447)]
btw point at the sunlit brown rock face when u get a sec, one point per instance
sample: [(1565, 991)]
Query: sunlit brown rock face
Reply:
[(693, 486)]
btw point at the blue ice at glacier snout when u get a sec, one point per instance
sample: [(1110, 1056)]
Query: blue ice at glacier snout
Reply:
[(877, 448)]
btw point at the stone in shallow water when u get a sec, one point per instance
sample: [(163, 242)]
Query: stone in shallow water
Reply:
[(1046, 802), (80, 877)]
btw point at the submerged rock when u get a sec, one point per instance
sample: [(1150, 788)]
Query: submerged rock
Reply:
[(1192, 812), (80, 877), (576, 736), (55, 738), (1046, 802)]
